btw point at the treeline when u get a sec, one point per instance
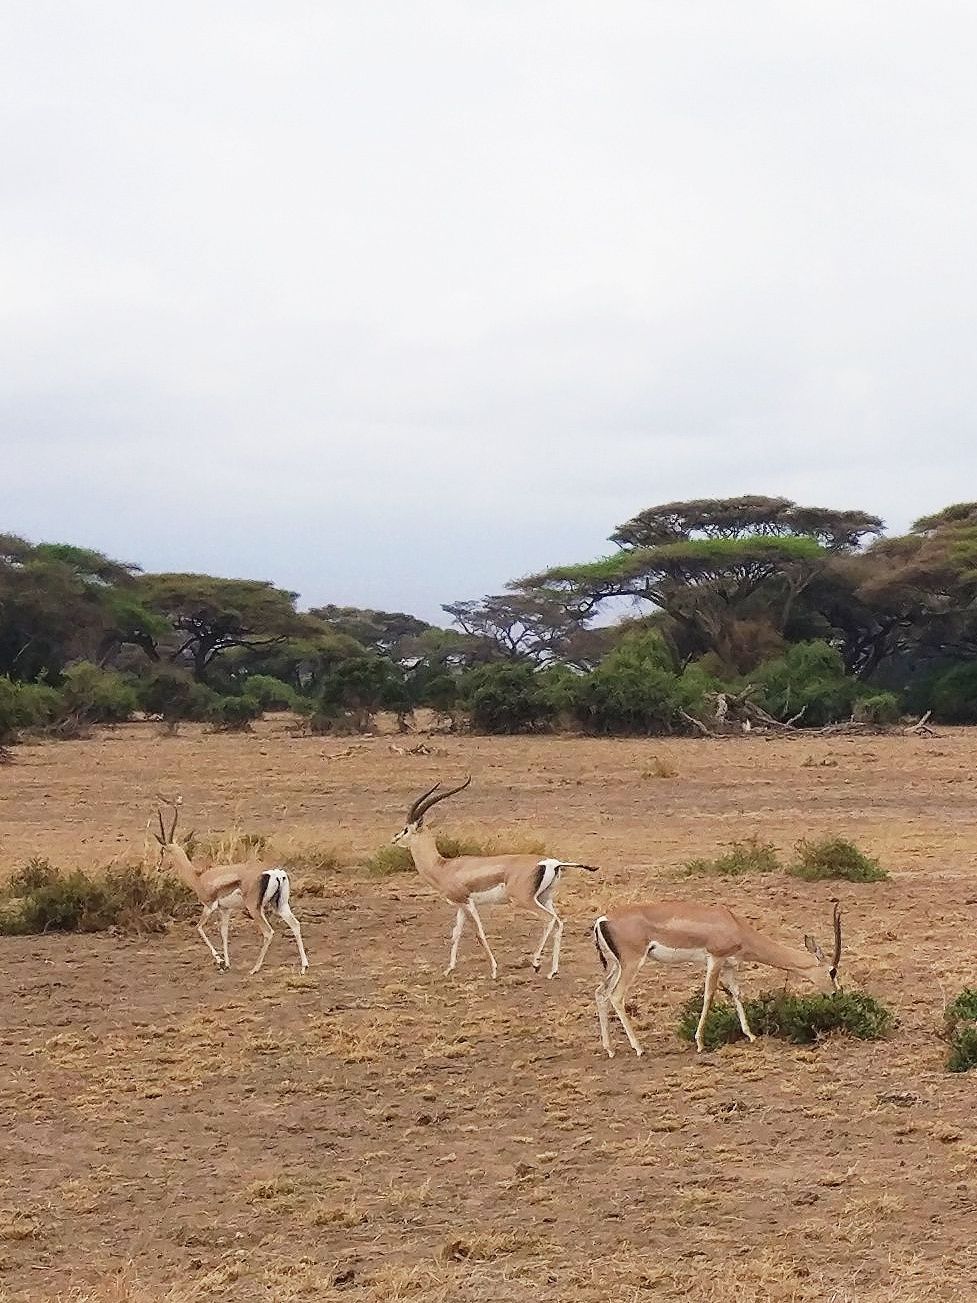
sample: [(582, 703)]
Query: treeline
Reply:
[(816, 610)]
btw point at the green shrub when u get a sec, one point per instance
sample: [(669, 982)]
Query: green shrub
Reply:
[(809, 676), (173, 695), (507, 698), (233, 714), (750, 856), (880, 708), (960, 1029), (800, 1019), (636, 689), (98, 696), (834, 857), (26, 705), (353, 691), (269, 692), (953, 695), (41, 898)]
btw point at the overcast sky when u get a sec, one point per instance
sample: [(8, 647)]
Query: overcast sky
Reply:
[(393, 302)]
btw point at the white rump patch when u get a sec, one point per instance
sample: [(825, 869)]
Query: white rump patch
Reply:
[(551, 871)]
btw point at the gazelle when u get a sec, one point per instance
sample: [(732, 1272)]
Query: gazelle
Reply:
[(227, 888), (677, 932), (468, 881)]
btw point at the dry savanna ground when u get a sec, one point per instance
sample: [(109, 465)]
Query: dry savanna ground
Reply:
[(377, 1132)]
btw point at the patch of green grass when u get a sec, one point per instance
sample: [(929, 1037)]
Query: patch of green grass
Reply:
[(750, 856), (800, 1019), (834, 857), (42, 898), (397, 859), (960, 1029)]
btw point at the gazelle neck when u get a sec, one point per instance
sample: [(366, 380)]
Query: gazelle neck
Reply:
[(179, 862), (423, 847)]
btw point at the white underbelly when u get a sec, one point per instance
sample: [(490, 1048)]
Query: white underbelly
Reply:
[(493, 896), (233, 900), (671, 955)]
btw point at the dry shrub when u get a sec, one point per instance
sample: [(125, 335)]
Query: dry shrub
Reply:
[(42, 898), (750, 856)]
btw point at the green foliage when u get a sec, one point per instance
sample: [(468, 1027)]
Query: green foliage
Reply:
[(750, 856), (173, 694), (879, 708), (810, 676), (635, 689), (270, 693), (41, 898), (800, 1019), (953, 695), (352, 692), (233, 714), (26, 705), (834, 857), (98, 696), (960, 1030), (507, 698)]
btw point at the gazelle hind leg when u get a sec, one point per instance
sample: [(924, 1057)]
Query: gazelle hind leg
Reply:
[(731, 986), (269, 935), (207, 911), (553, 920), (224, 919), (713, 969), (601, 997), (456, 932), (473, 914), (617, 994), (292, 922)]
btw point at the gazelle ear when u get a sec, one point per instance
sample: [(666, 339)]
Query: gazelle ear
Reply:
[(814, 948)]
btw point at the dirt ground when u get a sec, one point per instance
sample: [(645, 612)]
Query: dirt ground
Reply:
[(376, 1131)]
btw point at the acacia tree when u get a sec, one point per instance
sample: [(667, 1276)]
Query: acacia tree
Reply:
[(529, 625), (385, 632), (723, 572), (211, 615)]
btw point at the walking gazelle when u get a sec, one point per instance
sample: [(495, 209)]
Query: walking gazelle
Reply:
[(226, 888), (677, 932), (468, 881)]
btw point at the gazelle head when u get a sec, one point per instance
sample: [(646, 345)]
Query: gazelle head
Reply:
[(169, 847), (415, 815), (825, 976)]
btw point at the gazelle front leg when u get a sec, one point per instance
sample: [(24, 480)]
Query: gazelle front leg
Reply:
[(207, 911), (224, 918), (473, 914), (713, 969), (731, 986), (456, 932), (617, 994)]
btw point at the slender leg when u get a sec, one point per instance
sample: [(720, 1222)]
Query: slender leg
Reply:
[(601, 997), (713, 969), (269, 935), (552, 920), (224, 919), (456, 932), (472, 913), (555, 965), (207, 911), (286, 913), (617, 995), (731, 985)]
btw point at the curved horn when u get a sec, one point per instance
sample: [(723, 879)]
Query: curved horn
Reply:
[(415, 811), (175, 802), (161, 835), (430, 800), (837, 925)]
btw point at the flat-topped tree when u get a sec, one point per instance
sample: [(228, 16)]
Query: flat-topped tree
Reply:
[(210, 614), (712, 565)]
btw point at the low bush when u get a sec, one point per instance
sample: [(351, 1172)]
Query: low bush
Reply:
[(41, 898), (172, 695), (233, 714), (270, 693), (834, 857), (881, 708), (953, 695), (810, 678), (98, 696), (636, 689), (25, 706), (800, 1019), (508, 698), (750, 856), (960, 1030)]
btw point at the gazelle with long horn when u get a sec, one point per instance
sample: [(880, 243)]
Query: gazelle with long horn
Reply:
[(678, 932), (227, 888), (468, 881)]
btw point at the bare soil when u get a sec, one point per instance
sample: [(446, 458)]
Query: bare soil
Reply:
[(376, 1131)]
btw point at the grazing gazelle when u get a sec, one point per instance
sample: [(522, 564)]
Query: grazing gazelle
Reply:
[(468, 881), (227, 888), (677, 932)]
